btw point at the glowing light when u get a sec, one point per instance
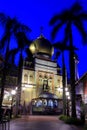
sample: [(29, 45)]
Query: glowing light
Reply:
[(23, 88), (13, 92), (28, 86), (66, 89), (16, 88), (68, 97), (60, 89), (67, 93)]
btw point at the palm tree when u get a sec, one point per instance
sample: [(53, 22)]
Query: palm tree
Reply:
[(73, 16), (62, 47), (11, 28), (23, 46)]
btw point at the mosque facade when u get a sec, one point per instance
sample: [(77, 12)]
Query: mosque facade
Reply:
[(41, 77)]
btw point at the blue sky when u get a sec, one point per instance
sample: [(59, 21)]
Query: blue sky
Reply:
[(37, 13)]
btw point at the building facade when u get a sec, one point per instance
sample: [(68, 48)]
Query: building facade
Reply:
[(81, 94), (41, 74)]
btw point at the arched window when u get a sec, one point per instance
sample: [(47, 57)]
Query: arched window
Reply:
[(39, 103), (31, 77), (25, 78), (45, 85), (55, 103), (45, 102), (50, 103)]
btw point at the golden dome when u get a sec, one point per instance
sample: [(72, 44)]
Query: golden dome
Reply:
[(41, 46)]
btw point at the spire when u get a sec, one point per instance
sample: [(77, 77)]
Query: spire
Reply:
[(41, 31)]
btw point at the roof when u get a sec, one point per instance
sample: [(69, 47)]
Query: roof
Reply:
[(81, 78), (48, 95), (41, 46)]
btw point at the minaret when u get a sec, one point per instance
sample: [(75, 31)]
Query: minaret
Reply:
[(76, 68)]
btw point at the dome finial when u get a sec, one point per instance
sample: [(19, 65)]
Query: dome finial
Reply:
[(41, 30)]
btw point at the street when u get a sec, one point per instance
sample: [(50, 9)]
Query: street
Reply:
[(40, 123)]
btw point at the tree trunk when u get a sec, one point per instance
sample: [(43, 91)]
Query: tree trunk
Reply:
[(4, 71), (18, 100), (64, 84), (2, 86), (72, 82), (3, 81), (72, 76)]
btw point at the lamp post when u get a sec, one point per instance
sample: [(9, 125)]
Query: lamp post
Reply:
[(13, 92), (23, 99), (17, 102), (67, 101)]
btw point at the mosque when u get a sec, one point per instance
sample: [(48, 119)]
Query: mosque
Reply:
[(41, 89), (41, 83)]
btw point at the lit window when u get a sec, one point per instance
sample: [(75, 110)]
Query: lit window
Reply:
[(25, 78)]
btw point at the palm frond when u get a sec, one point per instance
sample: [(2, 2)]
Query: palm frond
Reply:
[(76, 8), (59, 17), (13, 51), (55, 19), (22, 39), (4, 39), (29, 54), (62, 47), (20, 27), (12, 54), (56, 29), (80, 27), (83, 16), (56, 54), (3, 18)]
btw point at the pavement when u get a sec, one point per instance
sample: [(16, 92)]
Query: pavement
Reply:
[(40, 123)]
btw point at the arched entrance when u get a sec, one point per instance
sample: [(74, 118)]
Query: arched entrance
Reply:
[(46, 103)]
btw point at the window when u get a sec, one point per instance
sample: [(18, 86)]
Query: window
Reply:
[(39, 103), (45, 102), (25, 78), (50, 103)]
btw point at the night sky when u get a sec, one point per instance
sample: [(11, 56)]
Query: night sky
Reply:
[(37, 13)]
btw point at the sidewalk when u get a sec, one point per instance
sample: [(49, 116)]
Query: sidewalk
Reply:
[(40, 123)]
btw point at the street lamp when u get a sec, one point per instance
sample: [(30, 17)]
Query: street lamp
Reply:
[(13, 92)]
